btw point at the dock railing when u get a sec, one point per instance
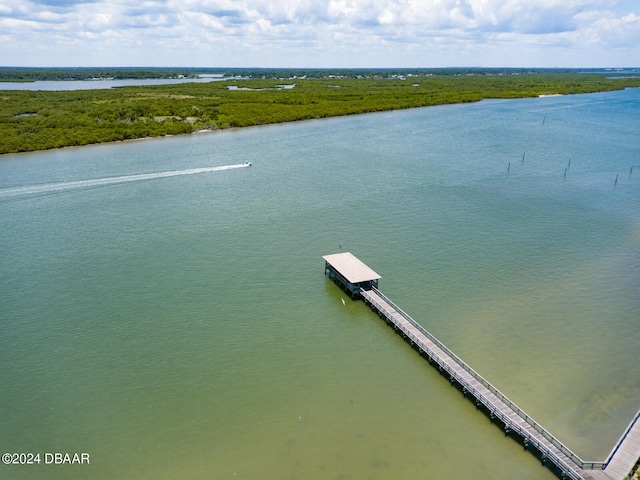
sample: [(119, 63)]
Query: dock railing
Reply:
[(584, 465), (622, 437)]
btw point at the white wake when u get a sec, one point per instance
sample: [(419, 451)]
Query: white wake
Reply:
[(97, 182)]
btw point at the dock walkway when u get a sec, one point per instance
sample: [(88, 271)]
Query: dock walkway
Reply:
[(513, 419)]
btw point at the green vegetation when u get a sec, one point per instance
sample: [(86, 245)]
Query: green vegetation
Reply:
[(32, 74), (37, 120)]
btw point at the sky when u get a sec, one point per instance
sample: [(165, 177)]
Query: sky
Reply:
[(321, 33)]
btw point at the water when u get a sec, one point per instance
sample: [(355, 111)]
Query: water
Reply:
[(52, 85), (97, 182), (179, 325)]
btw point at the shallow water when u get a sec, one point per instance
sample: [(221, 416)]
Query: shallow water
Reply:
[(181, 325)]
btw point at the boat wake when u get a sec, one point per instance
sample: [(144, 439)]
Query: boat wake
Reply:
[(98, 182)]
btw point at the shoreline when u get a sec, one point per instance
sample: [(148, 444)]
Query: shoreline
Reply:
[(231, 110)]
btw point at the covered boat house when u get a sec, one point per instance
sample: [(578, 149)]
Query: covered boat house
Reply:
[(350, 273)]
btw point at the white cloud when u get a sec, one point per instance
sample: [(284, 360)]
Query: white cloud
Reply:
[(617, 32), (341, 32)]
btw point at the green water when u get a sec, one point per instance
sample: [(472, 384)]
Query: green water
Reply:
[(182, 327)]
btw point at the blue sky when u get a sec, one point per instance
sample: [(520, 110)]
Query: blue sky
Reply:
[(321, 33)]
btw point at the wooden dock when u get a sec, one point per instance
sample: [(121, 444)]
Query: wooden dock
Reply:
[(515, 422)]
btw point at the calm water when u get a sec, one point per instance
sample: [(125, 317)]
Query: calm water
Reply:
[(180, 325), (50, 85)]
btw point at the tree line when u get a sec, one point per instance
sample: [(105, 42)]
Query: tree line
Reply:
[(32, 74)]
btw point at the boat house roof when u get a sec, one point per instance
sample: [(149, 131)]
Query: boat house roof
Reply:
[(351, 268)]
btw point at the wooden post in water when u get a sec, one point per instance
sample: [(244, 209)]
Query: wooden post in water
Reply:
[(508, 167), (616, 182)]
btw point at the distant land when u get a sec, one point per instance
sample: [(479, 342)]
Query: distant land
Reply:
[(38, 120), (32, 74)]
